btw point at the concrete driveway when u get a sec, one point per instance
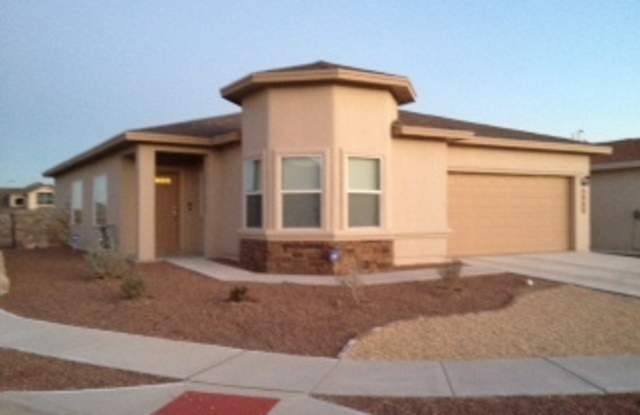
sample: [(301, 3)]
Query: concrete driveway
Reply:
[(613, 273)]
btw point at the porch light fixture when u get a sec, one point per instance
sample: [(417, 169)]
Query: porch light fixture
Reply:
[(163, 181)]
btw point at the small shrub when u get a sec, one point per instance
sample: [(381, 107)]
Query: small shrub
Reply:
[(451, 271), (353, 284), (58, 227), (106, 264), (238, 294), (133, 287)]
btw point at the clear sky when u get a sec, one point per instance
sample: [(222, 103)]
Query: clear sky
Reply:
[(74, 73)]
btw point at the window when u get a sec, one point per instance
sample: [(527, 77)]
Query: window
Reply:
[(44, 198), (18, 201), (301, 192), (253, 193), (100, 200), (76, 202), (364, 192)]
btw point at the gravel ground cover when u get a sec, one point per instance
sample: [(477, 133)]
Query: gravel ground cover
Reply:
[(623, 404), (26, 371), (53, 284), (561, 321)]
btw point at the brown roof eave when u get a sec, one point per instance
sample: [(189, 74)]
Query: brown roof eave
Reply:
[(130, 138), (110, 145)]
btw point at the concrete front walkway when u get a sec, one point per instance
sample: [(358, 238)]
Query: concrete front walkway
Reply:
[(256, 373), (224, 272), (613, 273), (148, 399)]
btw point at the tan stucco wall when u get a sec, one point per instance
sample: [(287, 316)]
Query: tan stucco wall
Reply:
[(110, 166), (332, 121), (32, 197), (419, 198), (223, 184), (128, 208), (335, 122), (615, 195), (504, 161), (13, 200)]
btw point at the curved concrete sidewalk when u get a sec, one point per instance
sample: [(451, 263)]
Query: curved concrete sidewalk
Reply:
[(222, 272), (261, 371), (148, 399)]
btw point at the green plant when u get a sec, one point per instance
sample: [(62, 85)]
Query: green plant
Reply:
[(106, 264), (133, 287), (238, 294)]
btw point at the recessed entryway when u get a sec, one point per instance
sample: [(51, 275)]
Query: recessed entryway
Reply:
[(179, 204)]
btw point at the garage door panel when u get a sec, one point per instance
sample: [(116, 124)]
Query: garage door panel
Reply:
[(495, 214)]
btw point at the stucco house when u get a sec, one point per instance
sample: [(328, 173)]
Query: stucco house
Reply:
[(615, 181), (34, 196), (319, 159)]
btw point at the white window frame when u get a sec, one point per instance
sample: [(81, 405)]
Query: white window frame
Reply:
[(259, 192), (48, 195), (379, 192), (94, 201), (77, 185), (321, 191)]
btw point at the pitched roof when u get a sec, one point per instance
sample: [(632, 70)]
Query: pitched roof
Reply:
[(435, 121), (25, 189), (627, 149), (319, 72), (325, 65), (202, 127), (212, 126), (35, 185)]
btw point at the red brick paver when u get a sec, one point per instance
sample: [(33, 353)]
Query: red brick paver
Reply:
[(197, 403)]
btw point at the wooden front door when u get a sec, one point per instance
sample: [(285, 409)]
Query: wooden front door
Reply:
[(167, 213)]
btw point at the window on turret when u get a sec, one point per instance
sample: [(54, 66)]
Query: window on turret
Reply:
[(302, 192), (364, 192)]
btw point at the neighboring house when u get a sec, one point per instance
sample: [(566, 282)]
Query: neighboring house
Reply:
[(615, 183), (321, 159), (34, 196)]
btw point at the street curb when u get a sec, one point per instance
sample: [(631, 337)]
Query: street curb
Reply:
[(4, 278)]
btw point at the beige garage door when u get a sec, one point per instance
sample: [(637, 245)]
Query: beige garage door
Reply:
[(502, 214)]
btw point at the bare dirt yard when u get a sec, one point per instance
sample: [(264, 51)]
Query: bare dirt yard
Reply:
[(55, 285), (623, 404), (25, 371), (561, 321)]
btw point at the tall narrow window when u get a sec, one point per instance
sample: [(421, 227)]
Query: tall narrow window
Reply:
[(253, 193), (100, 200), (364, 192), (301, 192), (76, 202)]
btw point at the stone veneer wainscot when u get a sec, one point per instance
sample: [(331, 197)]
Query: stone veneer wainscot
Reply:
[(311, 257)]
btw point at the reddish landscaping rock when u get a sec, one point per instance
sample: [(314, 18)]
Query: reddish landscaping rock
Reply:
[(55, 285), (26, 371)]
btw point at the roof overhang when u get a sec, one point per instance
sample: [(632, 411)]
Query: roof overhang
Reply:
[(616, 165), (399, 86), (468, 138), (413, 131), (136, 137)]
